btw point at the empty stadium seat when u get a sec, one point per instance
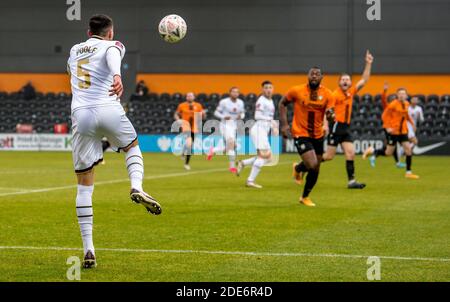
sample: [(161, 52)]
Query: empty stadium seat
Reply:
[(154, 113), (433, 98)]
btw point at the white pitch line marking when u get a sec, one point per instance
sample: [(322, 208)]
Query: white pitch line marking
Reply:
[(236, 253), (108, 182)]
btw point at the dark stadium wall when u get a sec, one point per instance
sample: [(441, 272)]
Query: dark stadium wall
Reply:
[(235, 36)]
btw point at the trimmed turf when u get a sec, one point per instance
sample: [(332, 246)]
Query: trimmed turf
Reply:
[(213, 211)]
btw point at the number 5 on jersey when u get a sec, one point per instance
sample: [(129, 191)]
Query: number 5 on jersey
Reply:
[(86, 83)]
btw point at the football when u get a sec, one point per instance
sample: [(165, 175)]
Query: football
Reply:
[(172, 28)]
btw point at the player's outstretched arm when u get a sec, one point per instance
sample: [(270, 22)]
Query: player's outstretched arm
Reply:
[(283, 117), (366, 72), (384, 97)]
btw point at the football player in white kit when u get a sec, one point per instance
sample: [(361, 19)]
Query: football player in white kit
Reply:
[(416, 114), (264, 113), (229, 111), (94, 68)]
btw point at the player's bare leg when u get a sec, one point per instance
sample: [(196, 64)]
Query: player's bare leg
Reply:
[(413, 141), (349, 151), (85, 215), (330, 153), (311, 162), (135, 167), (372, 154)]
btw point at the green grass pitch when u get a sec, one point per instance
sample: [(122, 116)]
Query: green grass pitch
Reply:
[(215, 229)]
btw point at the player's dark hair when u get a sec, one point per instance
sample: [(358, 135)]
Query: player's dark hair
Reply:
[(100, 24), (266, 83), (344, 75)]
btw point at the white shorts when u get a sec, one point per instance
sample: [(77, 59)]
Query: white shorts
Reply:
[(260, 137), (90, 125), (411, 132), (228, 129)]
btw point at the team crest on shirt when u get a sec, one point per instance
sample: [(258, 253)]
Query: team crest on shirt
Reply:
[(119, 44), (320, 97)]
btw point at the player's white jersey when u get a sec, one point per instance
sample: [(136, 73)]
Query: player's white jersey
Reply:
[(227, 108), (91, 78), (416, 114), (264, 112)]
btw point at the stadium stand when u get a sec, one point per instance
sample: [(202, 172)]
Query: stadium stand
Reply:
[(153, 113)]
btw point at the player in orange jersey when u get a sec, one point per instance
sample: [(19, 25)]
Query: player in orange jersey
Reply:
[(339, 131), (386, 122), (312, 102), (397, 116), (190, 113)]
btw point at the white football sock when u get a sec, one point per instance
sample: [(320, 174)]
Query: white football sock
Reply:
[(85, 216), (232, 158), (135, 167), (257, 165), (249, 161)]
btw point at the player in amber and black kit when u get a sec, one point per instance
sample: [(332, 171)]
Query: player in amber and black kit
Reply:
[(397, 130), (339, 132), (190, 113), (312, 102)]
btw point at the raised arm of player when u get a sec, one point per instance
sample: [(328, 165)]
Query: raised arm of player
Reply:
[(282, 108), (384, 101), (366, 72), (387, 116)]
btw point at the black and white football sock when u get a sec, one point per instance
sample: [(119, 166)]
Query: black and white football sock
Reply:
[(135, 167), (85, 216)]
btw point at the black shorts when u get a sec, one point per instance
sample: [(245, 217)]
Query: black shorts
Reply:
[(305, 144), (339, 133), (392, 140)]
